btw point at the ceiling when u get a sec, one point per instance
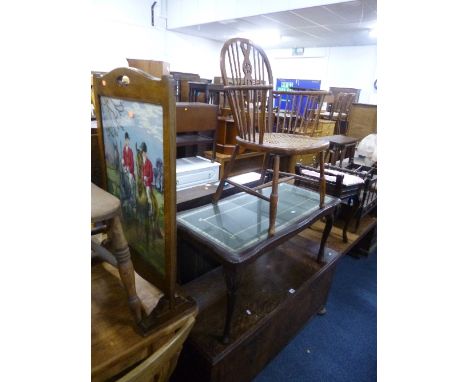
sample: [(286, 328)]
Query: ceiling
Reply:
[(339, 24)]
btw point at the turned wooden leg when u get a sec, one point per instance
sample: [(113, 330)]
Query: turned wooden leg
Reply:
[(125, 266), (266, 160), (323, 184), (227, 170), (326, 232), (232, 278), (274, 196)]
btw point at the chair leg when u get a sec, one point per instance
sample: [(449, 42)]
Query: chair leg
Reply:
[(227, 170), (266, 161), (274, 196), (125, 266), (213, 152)]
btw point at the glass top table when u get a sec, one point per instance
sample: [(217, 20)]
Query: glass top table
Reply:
[(235, 230), (241, 221)]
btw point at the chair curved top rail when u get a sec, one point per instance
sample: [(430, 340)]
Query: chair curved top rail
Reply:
[(244, 63)]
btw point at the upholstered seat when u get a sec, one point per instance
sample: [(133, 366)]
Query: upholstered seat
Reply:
[(103, 205), (348, 180)]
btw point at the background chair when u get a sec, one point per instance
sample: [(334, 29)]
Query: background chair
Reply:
[(340, 111), (343, 184), (246, 66)]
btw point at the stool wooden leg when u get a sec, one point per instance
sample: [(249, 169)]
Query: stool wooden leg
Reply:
[(274, 196), (125, 266), (342, 156)]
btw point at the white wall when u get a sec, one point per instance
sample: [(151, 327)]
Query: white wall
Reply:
[(125, 32), (193, 54), (351, 66)]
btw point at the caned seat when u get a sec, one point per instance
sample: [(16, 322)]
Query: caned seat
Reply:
[(282, 143), (275, 123)]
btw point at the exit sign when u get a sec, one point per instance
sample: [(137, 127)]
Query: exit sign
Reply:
[(298, 51)]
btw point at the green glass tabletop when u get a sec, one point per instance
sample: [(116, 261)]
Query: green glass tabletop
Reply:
[(241, 220)]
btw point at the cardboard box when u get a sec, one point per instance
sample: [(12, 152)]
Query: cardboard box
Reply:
[(155, 68)]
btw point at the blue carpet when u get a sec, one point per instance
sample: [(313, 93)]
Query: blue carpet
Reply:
[(342, 344)]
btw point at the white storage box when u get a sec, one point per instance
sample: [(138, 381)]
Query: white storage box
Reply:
[(194, 171)]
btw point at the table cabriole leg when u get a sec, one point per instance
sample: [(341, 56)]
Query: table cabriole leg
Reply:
[(232, 279), (326, 233)]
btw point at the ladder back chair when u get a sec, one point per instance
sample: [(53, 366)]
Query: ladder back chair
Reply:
[(247, 76), (340, 110), (297, 112)]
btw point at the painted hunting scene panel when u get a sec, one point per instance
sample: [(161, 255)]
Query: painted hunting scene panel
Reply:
[(133, 142)]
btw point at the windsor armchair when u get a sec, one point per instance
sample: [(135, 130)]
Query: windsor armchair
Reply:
[(247, 75)]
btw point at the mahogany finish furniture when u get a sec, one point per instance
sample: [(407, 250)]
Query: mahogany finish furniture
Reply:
[(196, 89), (368, 197), (212, 93), (182, 84), (196, 124), (334, 90), (105, 208), (341, 147), (342, 184), (246, 65), (236, 231)]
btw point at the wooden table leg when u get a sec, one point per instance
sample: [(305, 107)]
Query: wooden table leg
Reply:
[(326, 232), (350, 215), (232, 278), (125, 266)]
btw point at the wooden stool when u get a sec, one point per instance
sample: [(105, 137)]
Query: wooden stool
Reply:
[(106, 208), (340, 147)]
